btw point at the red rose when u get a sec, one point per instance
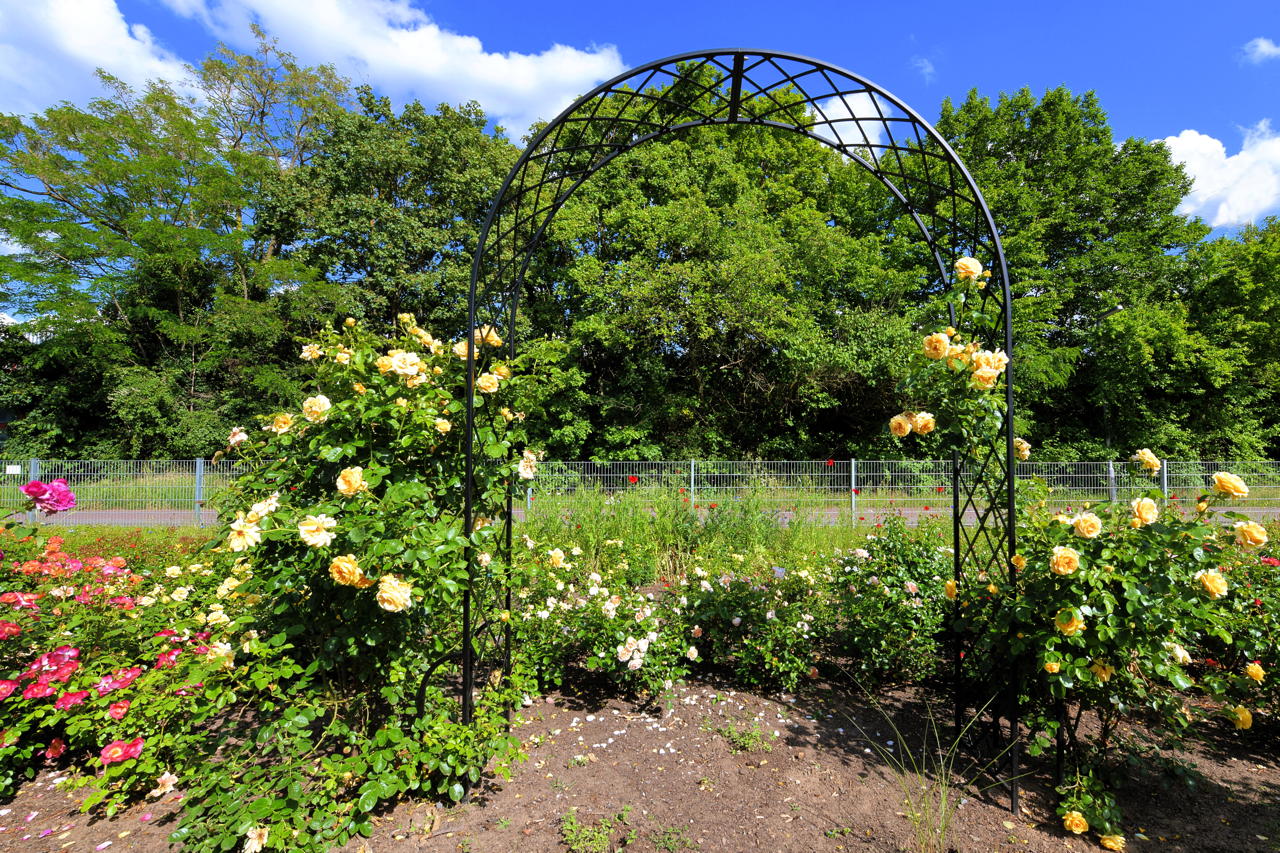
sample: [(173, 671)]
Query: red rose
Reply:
[(117, 710)]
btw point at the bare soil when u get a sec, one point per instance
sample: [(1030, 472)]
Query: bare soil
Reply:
[(722, 770)]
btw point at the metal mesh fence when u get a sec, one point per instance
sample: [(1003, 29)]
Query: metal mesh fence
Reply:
[(177, 492)]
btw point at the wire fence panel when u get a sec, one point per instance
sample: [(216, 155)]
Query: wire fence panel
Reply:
[(178, 492)]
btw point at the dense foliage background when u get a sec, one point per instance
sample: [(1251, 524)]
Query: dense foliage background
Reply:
[(728, 292)]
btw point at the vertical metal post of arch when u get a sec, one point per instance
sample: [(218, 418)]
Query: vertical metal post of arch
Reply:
[(867, 125)]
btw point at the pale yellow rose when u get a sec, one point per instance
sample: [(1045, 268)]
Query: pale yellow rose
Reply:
[(346, 570), (402, 402), (557, 558), (1230, 485), (1180, 655), (487, 383), (350, 322), (359, 388), (316, 409), (280, 424), (443, 425), (487, 335), (1112, 842), (416, 380), (406, 364), (1022, 449), (394, 594), (968, 268), (244, 534), (351, 481), (1018, 561), (460, 349), (405, 318), (900, 425), (316, 530), (311, 352), (1250, 534), (528, 467), (1087, 524), (1244, 719), (990, 360), (937, 345), (1255, 671), (1075, 822), (383, 363), (1052, 666), (984, 378), (1064, 561), (501, 371), (923, 422), (1213, 583), (1145, 512), (1069, 622), (1148, 460)]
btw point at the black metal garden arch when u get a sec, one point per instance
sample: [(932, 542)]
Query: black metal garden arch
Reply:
[(861, 121)]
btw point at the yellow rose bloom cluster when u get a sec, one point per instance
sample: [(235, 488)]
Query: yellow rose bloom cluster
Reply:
[(311, 352), (280, 424), (394, 595), (487, 383), (1022, 449), (904, 424), (1229, 485), (900, 425), (1064, 561), (528, 465), (487, 335), (987, 365)]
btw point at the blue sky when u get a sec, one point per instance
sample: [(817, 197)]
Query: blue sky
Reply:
[(1204, 77)]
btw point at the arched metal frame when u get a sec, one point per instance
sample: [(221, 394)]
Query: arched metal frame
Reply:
[(767, 89)]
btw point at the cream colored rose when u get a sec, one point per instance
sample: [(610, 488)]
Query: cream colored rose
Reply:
[(1178, 653), (937, 345), (316, 530), (487, 383), (244, 534), (280, 424), (443, 425), (1148, 460), (311, 352), (383, 363), (1087, 524), (394, 594), (316, 409), (406, 364), (1250, 534), (346, 570), (1145, 511), (1230, 485), (1022, 449), (501, 371), (1065, 560), (900, 425), (460, 349), (968, 268), (351, 481), (237, 437), (557, 558), (528, 465), (487, 335), (923, 423)]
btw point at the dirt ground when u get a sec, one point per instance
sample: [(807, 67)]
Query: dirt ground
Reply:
[(722, 770)]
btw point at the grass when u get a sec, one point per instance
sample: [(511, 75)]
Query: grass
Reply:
[(671, 839), (744, 739), (594, 837)]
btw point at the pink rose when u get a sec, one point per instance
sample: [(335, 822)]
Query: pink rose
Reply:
[(9, 629), (57, 746), (69, 700), (39, 691), (120, 750), (168, 659), (117, 710), (7, 687)]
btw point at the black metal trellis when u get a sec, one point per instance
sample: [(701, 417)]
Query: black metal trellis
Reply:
[(767, 89)]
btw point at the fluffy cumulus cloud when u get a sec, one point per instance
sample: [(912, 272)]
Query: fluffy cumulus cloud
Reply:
[(854, 117), (49, 50), (399, 50), (1230, 189), (1261, 49)]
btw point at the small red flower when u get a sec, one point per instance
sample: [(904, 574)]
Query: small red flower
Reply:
[(830, 462), (57, 746), (713, 506), (941, 489), (926, 509), (9, 629), (117, 710), (857, 491), (632, 479), (120, 750)]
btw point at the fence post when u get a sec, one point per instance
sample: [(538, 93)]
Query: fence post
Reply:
[(528, 502), (1164, 479), (199, 491), (1111, 480), (853, 491), (693, 494), (33, 473)]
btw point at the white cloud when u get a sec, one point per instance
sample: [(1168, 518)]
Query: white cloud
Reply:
[(853, 116), (1261, 49), (924, 66), (1235, 189), (49, 49), (400, 51)]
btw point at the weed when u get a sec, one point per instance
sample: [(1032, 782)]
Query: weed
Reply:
[(504, 822), (672, 839), (594, 837), (745, 739), (839, 832)]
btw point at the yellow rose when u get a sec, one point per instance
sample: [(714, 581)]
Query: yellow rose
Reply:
[(937, 345), (923, 423), (402, 402), (900, 425), (951, 331), (1075, 822), (501, 370), (984, 378), (1022, 449), (406, 364), (1052, 666), (1064, 561), (1230, 485), (1180, 655), (1148, 460), (443, 426), (990, 360), (316, 409), (1202, 507), (359, 388), (315, 530), (394, 594), (349, 322), (1250, 534), (968, 268), (507, 414), (949, 589), (460, 349), (1102, 671), (1244, 719), (1145, 511), (351, 481), (280, 424), (406, 318), (311, 352), (486, 383), (993, 589), (1213, 582), (557, 558), (1069, 622), (1112, 842), (245, 534), (1087, 525), (1018, 561), (488, 335), (1255, 671), (346, 570), (383, 363)]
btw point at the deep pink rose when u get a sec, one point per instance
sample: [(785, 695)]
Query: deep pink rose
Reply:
[(117, 710), (120, 750), (168, 659), (57, 746), (51, 497), (39, 691), (7, 687), (68, 700), (9, 629)]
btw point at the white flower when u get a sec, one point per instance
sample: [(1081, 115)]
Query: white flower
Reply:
[(173, 572), (484, 559), (316, 530), (862, 553), (237, 437), (316, 409), (163, 785), (705, 587), (255, 839), (181, 593), (736, 621), (636, 662), (529, 543), (692, 654), (528, 465), (771, 615)]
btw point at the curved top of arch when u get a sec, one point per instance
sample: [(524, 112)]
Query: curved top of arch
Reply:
[(732, 86)]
